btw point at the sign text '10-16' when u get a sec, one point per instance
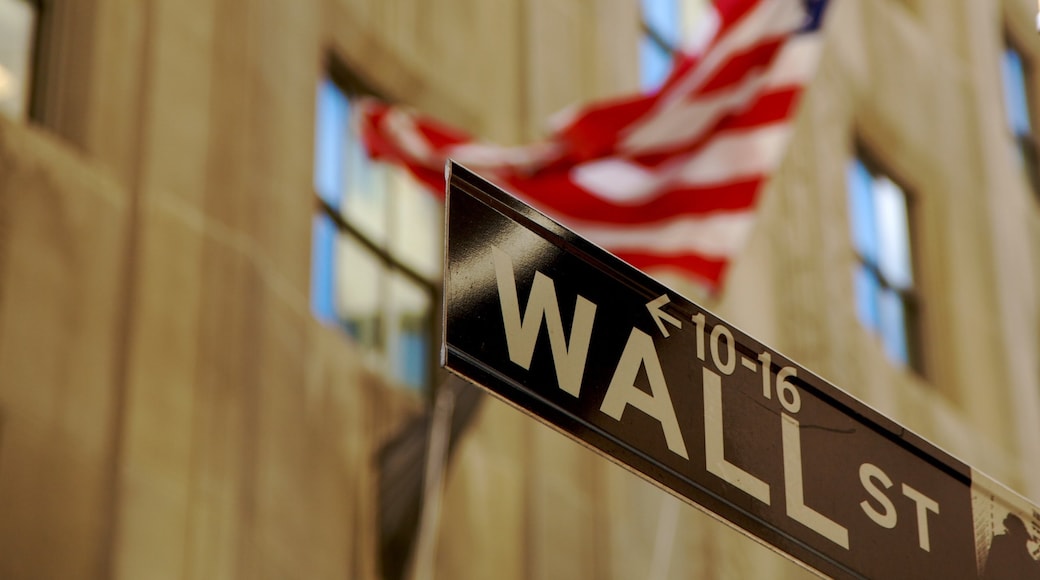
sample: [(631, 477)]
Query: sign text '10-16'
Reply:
[(571, 358), (559, 328)]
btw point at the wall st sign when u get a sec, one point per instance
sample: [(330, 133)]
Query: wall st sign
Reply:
[(570, 334)]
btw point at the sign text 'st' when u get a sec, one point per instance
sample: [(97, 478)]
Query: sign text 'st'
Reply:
[(558, 327)]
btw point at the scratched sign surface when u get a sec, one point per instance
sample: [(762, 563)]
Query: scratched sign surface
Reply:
[(573, 336)]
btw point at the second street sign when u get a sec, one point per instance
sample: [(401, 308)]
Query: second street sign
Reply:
[(577, 338)]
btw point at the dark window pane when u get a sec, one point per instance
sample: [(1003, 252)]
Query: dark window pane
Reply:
[(1027, 158)]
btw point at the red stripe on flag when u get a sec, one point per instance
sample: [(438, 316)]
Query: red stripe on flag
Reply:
[(545, 173), (441, 136), (769, 108), (558, 195), (742, 65), (708, 270), (596, 130)]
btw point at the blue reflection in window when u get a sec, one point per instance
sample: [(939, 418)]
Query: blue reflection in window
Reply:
[(662, 16), (655, 61), (323, 304), (1015, 99), (412, 369), (655, 64), (893, 325), (890, 213), (867, 290), (330, 141), (861, 210), (880, 228), (332, 115)]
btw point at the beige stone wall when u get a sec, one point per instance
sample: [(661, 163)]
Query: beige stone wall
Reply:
[(169, 409), (523, 501), (921, 90), (498, 68), (918, 84), (62, 241)]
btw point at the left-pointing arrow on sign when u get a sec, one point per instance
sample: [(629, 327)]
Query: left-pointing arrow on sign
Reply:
[(660, 316)]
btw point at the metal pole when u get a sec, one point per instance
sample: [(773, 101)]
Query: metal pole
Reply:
[(433, 483)]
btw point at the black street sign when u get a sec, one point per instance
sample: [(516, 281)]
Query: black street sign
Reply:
[(575, 337)]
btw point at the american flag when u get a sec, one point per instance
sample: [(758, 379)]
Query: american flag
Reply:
[(667, 180)]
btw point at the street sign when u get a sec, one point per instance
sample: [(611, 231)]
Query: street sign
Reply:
[(570, 334)]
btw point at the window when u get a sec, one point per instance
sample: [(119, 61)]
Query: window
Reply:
[(884, 278), (18, 21), (1019, 115), (667, 25), (376, 247)]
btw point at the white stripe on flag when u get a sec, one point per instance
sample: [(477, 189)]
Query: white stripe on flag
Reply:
[(729, 157), (401, 125), (710, 149), (704, 31), (495, 157), (682, 122), (736, 155), (796, 64), (769, 19), (720, 235), (617, 180)]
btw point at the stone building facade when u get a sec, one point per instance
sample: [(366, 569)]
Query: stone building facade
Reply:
[(170, 407)]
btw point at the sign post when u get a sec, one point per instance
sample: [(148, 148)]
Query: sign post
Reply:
[(573, 336)]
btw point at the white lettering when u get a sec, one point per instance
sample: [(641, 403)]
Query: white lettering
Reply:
[(714, 434), (521, 336), (639, 351), (786, 392), (796, 508), (868, 473), (731, 357), (925, 504)]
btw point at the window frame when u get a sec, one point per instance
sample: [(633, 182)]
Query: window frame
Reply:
[(686, 26), (352, 87), (658, 40), (44, 24), (1026, 146), (41, 23), (910, 297)]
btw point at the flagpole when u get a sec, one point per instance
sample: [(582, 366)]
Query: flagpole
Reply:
[(423, 558)]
